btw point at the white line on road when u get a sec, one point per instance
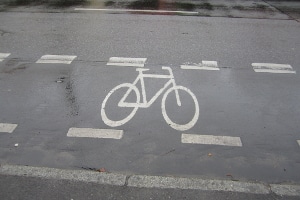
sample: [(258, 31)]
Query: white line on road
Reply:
[(95, 133), (273, 68), (298, 142), (123, 61), (7, 128), (56, 59), (204, 65), (211, 139), (3, 56), (139, 11), (275, 71)]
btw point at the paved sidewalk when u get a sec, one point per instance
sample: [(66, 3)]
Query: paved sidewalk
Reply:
[(290, 8), (215, 8), (258, 9)]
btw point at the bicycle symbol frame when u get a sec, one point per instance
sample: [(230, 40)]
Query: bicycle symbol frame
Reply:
[(145, 103)]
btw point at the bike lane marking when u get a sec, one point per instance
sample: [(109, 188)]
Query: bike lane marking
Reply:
[(211, 139), (180, 127), (204, 65), (56, 59), (273, 68), (3, 56), (125, 61), (146, 104), (7, 128), (95, 133)]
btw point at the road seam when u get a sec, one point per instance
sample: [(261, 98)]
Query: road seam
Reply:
[(143, 181)]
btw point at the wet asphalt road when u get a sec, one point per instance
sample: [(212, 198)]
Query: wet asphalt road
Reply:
[(45, 100)]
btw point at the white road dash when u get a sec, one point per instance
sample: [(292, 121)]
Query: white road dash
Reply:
[(273, 68), (7, 128), (3, 56), (275, 71), (204, 65), (124, 61), (210, 139), (56, 59), (298, 142), (138, 11), (95, 133)]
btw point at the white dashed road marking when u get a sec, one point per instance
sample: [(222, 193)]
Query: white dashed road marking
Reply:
[(273, 68), (7, 128), (298, 142), (205, 65), (95, 133), (3, 56), (123, 61), (56, 59), (211, 139)]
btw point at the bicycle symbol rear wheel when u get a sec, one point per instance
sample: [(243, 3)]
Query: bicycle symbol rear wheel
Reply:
[(113, 123), (180, 127)]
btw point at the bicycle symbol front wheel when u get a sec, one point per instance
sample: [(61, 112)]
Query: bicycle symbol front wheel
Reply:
[(113, 123), (180, 127)]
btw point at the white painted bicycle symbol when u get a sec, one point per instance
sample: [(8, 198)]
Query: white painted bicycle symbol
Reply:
[(145, 104)]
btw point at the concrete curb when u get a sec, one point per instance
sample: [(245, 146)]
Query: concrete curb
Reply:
[(143, 181), (197, 184), (74, 175)]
